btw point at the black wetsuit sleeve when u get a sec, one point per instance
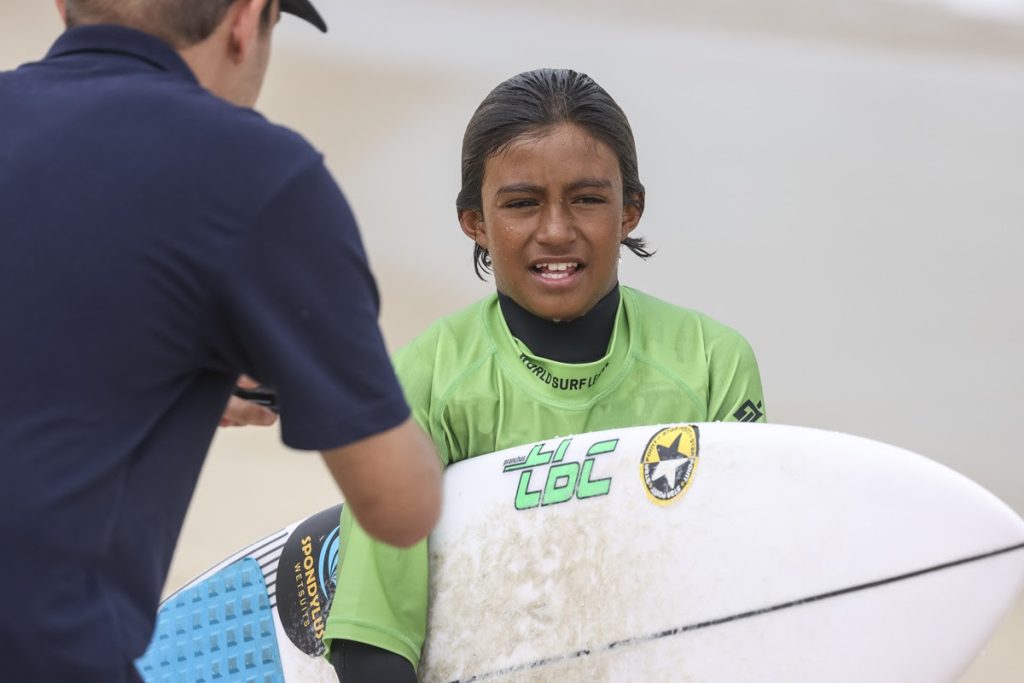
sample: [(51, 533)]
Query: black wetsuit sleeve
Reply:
[(361, 663)]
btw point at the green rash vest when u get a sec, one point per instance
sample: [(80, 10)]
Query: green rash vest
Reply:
[(477, 389)]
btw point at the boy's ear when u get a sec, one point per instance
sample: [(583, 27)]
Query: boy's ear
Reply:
[(472, 222), (631, 214)]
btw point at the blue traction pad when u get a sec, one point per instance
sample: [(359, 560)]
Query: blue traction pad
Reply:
[(217, 631)]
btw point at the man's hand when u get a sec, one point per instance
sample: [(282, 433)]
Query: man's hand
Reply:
[(391, 481), (242, 413)]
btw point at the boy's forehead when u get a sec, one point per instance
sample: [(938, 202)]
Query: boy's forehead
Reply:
[(570, 143), (563, 133), (567, 157)]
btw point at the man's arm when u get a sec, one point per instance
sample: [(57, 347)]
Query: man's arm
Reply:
[(297, 308), (391, 482)]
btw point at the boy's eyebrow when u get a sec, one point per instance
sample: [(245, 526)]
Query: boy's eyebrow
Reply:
[(519, 187), (581, 184), (585, 183)]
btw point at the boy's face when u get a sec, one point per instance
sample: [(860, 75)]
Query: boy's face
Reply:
[(553, 218)]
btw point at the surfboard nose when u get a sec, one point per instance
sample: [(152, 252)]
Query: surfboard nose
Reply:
[(795, 554)]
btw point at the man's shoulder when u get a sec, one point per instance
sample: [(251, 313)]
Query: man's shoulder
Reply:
[(235, 133), (140, 113), (185, 122)]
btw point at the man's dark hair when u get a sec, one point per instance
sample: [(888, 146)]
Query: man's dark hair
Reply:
[(182, 23), (529, 103)]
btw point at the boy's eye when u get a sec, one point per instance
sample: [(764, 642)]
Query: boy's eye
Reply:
[(520, 203), (590, 199)]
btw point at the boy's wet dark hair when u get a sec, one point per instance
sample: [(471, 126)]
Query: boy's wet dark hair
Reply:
[(528, 104)]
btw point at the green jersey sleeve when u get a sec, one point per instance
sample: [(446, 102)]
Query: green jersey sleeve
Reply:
[(735, 392), (381, 595)]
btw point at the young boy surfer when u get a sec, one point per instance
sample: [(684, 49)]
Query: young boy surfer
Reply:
[(550, 194)]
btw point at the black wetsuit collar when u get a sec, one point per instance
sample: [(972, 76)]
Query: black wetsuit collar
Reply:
[(582, 340)]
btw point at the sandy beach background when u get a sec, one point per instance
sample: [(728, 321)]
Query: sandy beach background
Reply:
[(840, 181)]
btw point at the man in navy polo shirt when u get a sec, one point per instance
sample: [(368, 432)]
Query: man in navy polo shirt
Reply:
[(159, 238)]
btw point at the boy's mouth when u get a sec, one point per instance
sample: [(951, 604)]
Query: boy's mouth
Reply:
[(556, 270)]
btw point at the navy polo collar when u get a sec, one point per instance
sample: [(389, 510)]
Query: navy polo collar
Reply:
[(125, 41)]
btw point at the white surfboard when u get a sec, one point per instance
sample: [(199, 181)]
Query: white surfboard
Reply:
[(256, 617), (713, 552)]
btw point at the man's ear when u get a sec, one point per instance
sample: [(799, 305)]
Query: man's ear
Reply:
[(631, 214), (63, 9), (244, 24), (472, 222)]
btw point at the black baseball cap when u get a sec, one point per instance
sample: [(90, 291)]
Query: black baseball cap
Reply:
[(304, 10)]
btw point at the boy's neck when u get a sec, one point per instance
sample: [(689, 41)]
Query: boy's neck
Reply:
[(582, 340)]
